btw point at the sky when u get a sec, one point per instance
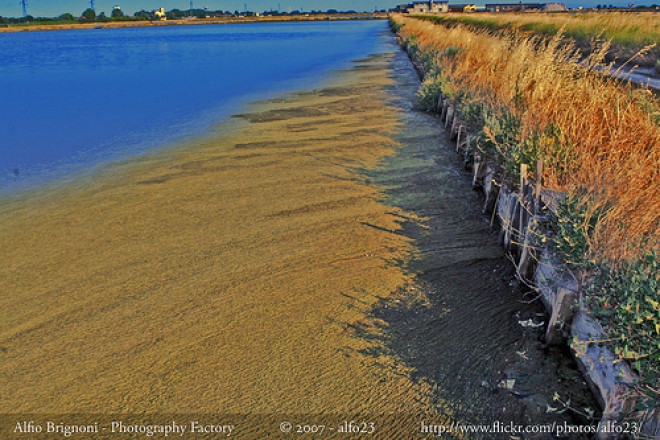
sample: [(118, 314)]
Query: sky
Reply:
[(53, 8)]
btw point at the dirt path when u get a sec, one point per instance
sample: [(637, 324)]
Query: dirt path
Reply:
[(319, 255)]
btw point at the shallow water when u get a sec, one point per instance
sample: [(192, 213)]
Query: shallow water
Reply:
[(73, 99), (456, 325), (325, 258)]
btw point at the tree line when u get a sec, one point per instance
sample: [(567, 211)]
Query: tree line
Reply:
[(90, 15)]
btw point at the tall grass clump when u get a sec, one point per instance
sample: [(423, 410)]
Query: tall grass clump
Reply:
[(628, 32), (621, 27), (539, 98)]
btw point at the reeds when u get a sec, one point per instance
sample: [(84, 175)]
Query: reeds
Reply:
[(599, 138)]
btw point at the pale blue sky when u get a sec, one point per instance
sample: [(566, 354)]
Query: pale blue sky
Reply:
[(52, 8)]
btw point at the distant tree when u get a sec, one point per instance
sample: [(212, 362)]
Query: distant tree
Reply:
[(144, 15), (175, 14), (102, 17), (66, 17), (331, 11), (89, 14), (29, 18), (117, 13)]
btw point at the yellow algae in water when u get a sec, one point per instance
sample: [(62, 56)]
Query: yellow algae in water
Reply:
[(224, 276)]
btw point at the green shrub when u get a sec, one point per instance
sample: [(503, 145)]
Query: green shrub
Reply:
[(429, 92), (574, 224), (473, 112), (394, 26), (450, 52), (500, 140), (627, 303), (624, 298)]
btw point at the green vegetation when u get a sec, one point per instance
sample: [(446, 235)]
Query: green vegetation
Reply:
[(624, 298), (117, 15), (89, 14), (574, 225)]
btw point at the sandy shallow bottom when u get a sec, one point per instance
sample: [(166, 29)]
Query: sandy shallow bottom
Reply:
[(318, 256), (224, 277)]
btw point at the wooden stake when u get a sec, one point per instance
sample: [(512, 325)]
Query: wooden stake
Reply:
[(450, 116), (466, 152), (523, 177), (458, 138), (539, 185), (475, 171), (445, 105), (454, 124), (522, 224)]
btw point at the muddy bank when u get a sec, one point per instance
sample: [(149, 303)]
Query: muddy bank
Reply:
[(321, 254)]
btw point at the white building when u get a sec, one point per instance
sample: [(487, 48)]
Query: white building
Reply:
[(160, 13), (425, 7)]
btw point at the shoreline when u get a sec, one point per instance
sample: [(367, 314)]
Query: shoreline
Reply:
[(312, 259), (194, 22), (160, 126), (122, 291)]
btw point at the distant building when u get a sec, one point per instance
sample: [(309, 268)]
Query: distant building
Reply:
[(425, 7), (525, 7), (554, 7), (513, 7), (116, 8), (160, 13), (463, 8)]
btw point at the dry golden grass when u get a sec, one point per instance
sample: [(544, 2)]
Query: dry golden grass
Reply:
[(620, 27), (223, 277), (606, 142)]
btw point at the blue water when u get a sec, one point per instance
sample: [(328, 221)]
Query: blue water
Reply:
[(70, 100)]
